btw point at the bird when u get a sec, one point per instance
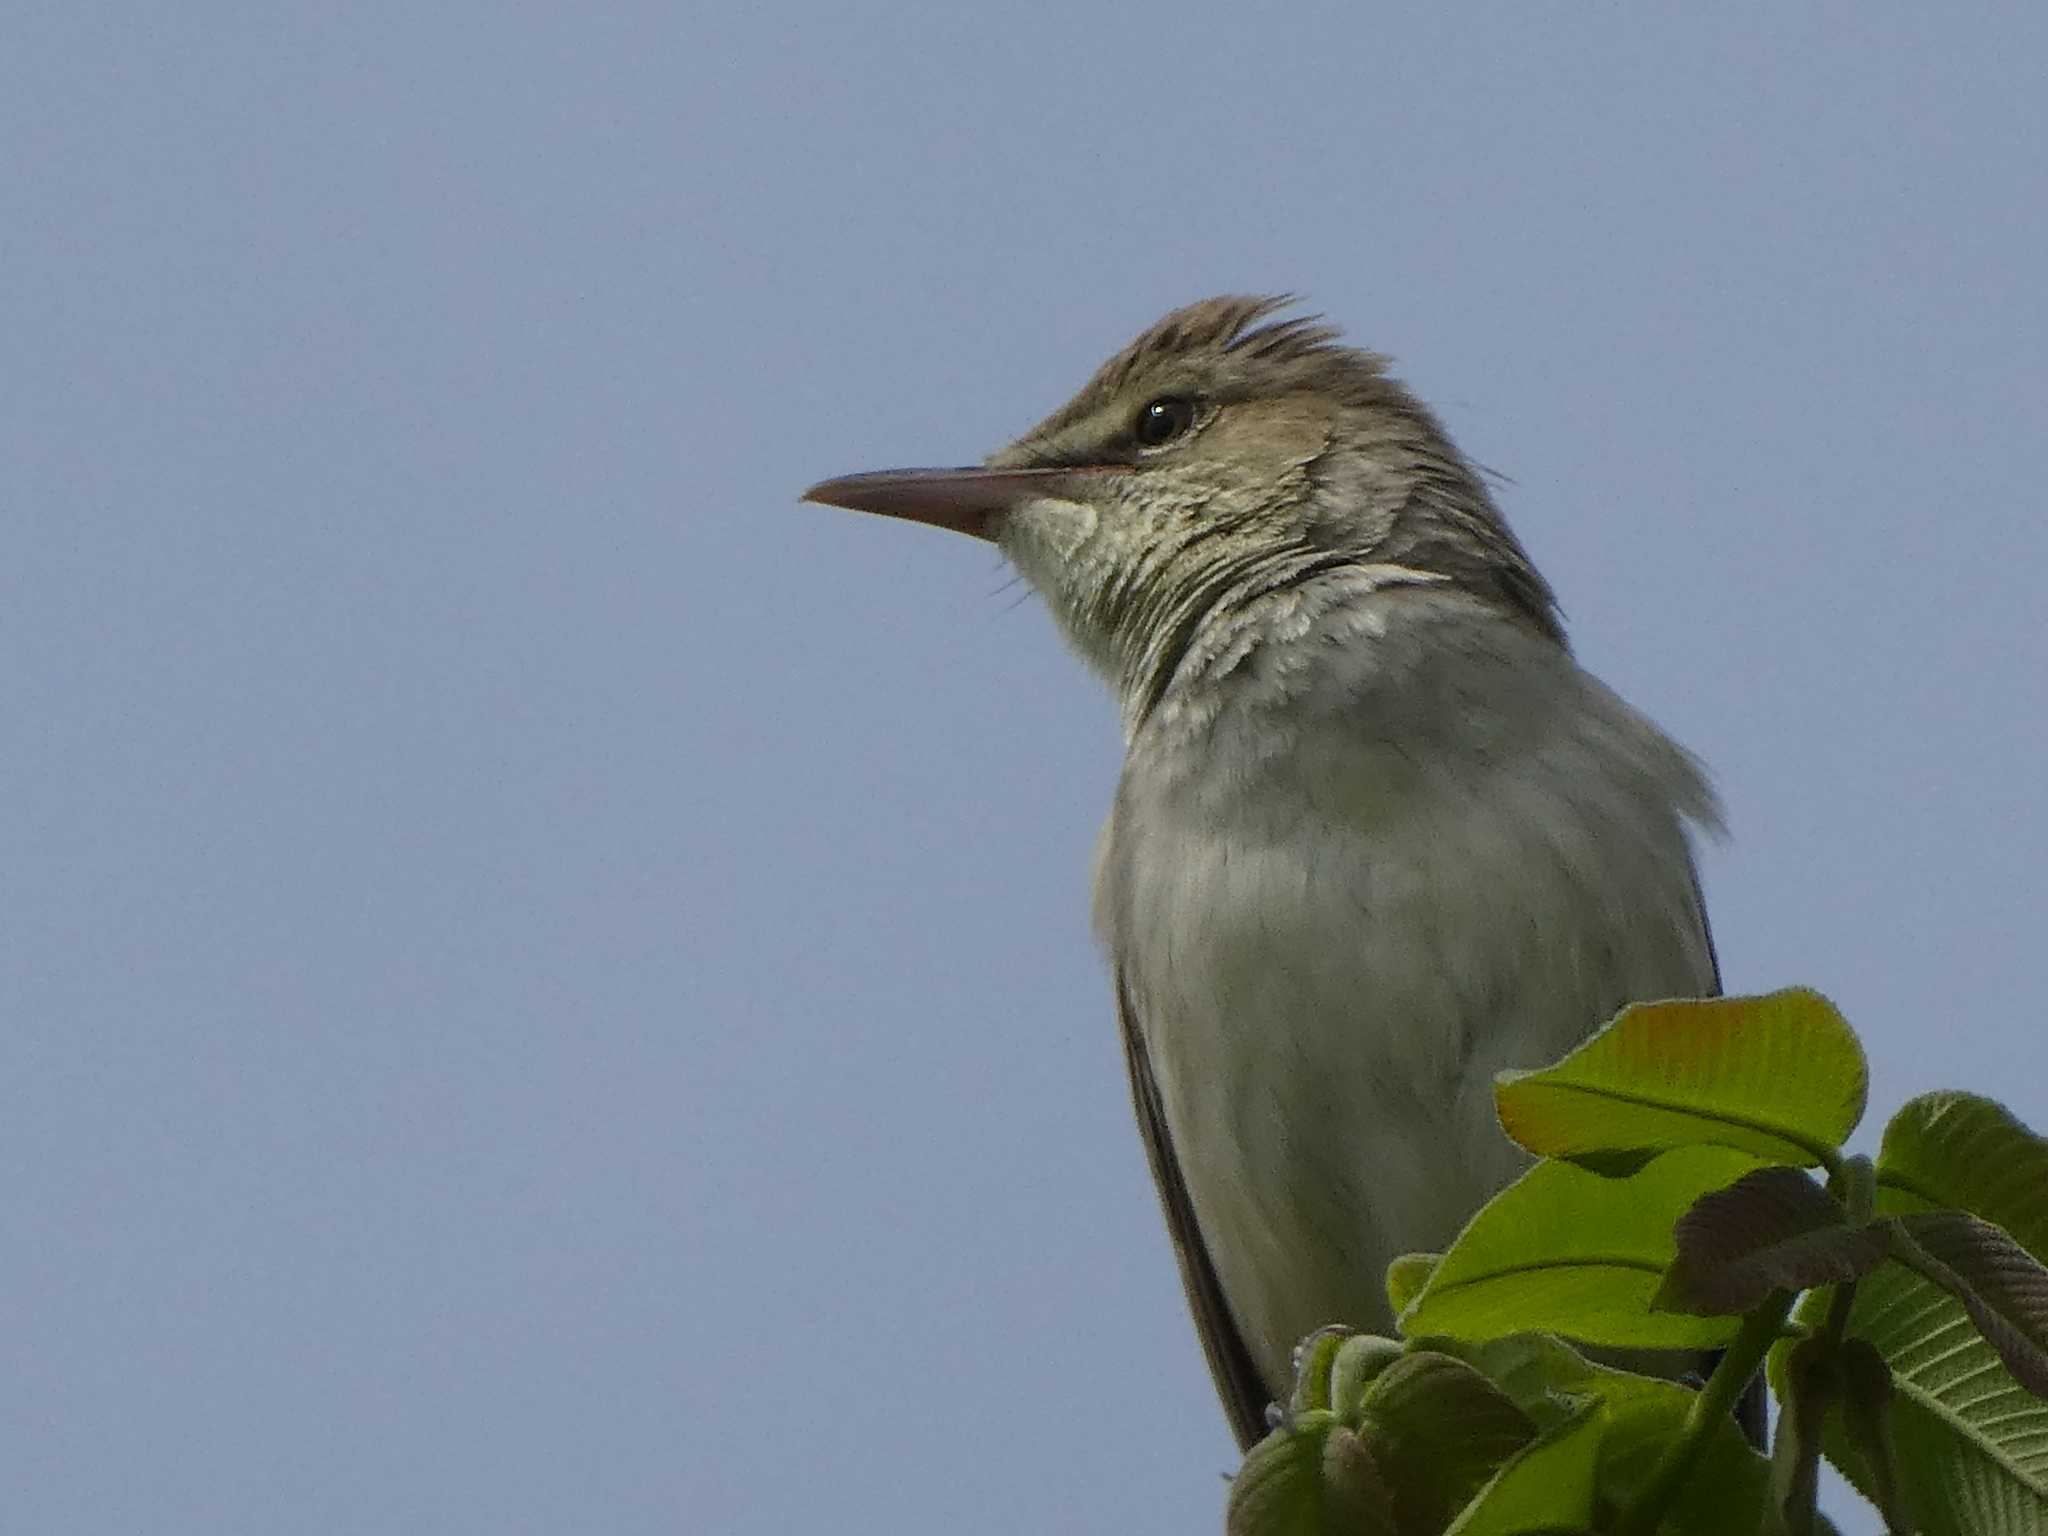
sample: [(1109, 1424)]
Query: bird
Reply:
[(1377, 834)]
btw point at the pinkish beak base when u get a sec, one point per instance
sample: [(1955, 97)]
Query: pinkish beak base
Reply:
[(966, 500)]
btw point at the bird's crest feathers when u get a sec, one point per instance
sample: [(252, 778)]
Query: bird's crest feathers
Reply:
[(1220, 345)]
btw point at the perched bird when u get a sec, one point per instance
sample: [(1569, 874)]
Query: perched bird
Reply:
[(1378, 835)]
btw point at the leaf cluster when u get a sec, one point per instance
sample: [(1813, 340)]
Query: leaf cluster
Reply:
[(1692, 1195)]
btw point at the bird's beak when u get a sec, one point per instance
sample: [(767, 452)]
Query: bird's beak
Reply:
[(969, 500)]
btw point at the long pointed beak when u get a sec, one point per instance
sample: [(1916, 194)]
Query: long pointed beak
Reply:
[(967, 500)]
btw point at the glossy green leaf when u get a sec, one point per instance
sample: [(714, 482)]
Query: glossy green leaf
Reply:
[(1780, 1076), (1565, 1251)]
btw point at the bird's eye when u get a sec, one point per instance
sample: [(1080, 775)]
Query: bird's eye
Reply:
[(1164, 419)]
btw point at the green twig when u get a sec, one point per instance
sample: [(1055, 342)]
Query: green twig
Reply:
[(1709, 1413), (1853, 1181), (1810, 1393)]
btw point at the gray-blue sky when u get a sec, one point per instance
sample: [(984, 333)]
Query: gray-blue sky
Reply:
[(547, 987)]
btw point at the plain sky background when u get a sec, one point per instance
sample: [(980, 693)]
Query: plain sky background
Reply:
[(546, 987)]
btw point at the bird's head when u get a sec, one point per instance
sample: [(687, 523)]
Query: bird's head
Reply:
[(1222, 456)]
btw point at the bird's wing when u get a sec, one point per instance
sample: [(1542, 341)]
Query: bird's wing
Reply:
[(1244, 1395), (1699, 896)]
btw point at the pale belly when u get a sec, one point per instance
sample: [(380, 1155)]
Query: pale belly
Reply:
[(1325, 1009)]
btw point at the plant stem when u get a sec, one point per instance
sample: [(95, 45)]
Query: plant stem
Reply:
[(1853, 1181), (1809, 1395), (1710, 1411)]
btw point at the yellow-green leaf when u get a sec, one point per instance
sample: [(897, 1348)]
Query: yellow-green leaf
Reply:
[(1780, 1076), (1566, 1251)]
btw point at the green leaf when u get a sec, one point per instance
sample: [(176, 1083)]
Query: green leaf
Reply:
[(1780, 1076), (1406, 1276), (1552, 1486), (1565, 1251), (1355, 1494), (1439, 1430), (1867, 1419), (1550, 1381), (1314, 1478), (1728, 1490), (1314, 1359), (1971, 1442), (1774, 1229), (1397, 1440), (1808, 1385), (1999, 1283), (1356, 1363), (1541, 1374), (1957, 1149)]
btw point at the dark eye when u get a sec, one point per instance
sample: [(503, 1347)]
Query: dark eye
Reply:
[(1165, 419)]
